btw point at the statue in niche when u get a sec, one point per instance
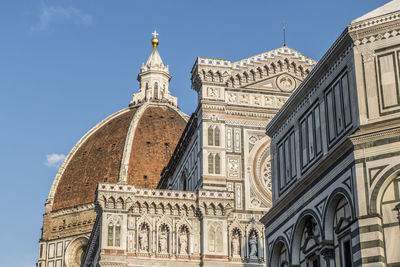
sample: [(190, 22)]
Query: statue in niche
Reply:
[(183, 242), (163, 242), (143, 240), (235, 244), (253, 246)]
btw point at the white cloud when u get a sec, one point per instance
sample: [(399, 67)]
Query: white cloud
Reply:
[(50, 14), (54, 160)]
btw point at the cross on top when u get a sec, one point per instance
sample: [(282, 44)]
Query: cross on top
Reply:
[(155, 34)]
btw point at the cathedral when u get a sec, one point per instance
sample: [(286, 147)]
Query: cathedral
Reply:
[(284, 162)]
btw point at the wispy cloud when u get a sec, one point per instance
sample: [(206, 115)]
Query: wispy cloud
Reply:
[(51, 14), (54, 160)]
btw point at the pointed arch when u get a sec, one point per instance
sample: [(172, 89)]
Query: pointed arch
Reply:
[(217, 164), (216, 136), (120, 203), (287, 64), (259, 70), (266, 70), (245, 77), (155, 90), (252, 75), (210, 135), (111, 203), (210, 163), (273, 68)]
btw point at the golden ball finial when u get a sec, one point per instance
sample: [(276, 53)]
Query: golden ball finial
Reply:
[(155, 41)]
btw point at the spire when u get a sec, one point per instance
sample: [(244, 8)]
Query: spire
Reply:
[(154, 58), (154, 78)]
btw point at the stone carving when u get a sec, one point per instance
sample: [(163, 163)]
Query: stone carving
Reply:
[(266, 173), (256, 100), (212, 92), (244, 99), (236, 244), (253, 246), (286, 83), (233, 164), (163, 240), (144, 239), (232, 98), (183, 241)]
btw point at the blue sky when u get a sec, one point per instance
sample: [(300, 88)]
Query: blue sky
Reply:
[(66, 65)]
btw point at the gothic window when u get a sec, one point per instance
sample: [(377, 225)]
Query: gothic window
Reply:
[(217, 136), (210, 136), (156, 90), (215, 237), (338, 109), (183, 182), (210, 163), (110, 235), (217, 164), (117, 235), (311, 141)]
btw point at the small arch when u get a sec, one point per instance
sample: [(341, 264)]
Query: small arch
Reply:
[(266, 70), (287, 64), (120, 203), (294, 67), (280, 253), (260, 75), (280, 66), (245, 77), (252, 75), (111, 203), (330, 209), (273, 67), (297, 235)]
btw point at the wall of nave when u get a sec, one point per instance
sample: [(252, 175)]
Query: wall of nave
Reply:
[(139, 225)]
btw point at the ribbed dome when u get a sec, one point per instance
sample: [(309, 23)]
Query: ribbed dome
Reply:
[(132, 145)]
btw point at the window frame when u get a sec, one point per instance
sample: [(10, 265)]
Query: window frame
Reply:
[(345, 125), (293, 175), (305, 120)]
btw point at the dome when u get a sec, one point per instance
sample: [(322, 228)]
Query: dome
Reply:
[(131, 146)]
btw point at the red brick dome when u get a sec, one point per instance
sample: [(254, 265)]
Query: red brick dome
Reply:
[(132, 145)]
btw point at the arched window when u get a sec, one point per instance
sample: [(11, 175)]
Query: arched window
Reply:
[(215, 238), (117, 235), (156, 90), (210, 163), (309, 244), (183, 182), (210, 136), (283, 258), (216, 135), (110, 235), (147, 86), (342, 241), (217, 164)]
